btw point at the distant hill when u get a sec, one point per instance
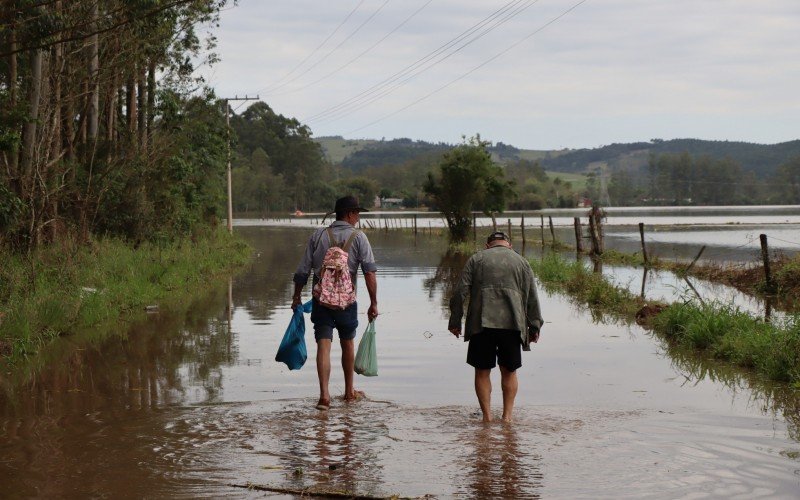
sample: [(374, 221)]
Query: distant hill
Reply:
[(761, 159)]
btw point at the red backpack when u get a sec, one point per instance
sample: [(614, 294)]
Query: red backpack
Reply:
[(335, 288)]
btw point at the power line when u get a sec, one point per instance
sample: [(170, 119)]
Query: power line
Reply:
[(509, 48), (273, 84), (326, 56), (517, 10), (359, 56), (424, 60)]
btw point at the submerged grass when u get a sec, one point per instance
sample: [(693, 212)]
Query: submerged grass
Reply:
[(722, 331), (64, 289)]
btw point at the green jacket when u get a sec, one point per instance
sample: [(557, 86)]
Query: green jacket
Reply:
[(502, 294)]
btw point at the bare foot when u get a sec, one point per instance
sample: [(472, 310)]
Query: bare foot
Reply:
[(487, 419), (355, 396), (323, 404)]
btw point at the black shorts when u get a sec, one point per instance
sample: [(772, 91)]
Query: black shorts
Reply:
[(495, 346)]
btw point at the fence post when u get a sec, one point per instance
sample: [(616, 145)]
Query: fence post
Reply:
[(522, 228), (415, 224), (702, 249), (542, 220), (474, 229), (552, 231), (765, 257), (644, 248), (509, 228), (578, 235)]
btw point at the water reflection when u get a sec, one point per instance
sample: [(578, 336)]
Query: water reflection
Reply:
[(771, 398), (170, 407), (446, 277), (497, 466)]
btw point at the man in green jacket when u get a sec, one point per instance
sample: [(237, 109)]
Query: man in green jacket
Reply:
[(503, 318)]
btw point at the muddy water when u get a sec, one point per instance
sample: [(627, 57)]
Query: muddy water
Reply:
[(187, 403)]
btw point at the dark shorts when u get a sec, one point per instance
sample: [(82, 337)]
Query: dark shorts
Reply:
[(325, 320), (495, 346)]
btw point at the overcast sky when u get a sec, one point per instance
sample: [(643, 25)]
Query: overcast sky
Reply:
[(606, 71)]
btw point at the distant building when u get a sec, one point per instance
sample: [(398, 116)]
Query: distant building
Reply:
[(584, 202), (391, 203)]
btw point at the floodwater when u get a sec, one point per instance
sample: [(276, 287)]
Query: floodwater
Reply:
[(188, 403)]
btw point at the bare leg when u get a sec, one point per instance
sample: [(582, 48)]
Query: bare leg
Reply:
[(324, 368), (483, 388), (348, 362), (510, 384)]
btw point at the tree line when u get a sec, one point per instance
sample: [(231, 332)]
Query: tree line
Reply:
[(278, 167), (104, 129), (683, 179)]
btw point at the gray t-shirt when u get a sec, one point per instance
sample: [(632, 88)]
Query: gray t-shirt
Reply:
[(360, 252)]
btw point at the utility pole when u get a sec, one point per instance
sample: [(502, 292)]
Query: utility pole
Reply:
[(228, 133)]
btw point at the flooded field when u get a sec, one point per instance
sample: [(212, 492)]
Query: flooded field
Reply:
[(189, 403)]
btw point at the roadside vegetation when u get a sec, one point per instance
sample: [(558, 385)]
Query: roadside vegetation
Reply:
[(112, 165), (67, 289), (772, 350)]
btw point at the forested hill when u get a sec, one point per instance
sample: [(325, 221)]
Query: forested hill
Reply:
[(761, 159)]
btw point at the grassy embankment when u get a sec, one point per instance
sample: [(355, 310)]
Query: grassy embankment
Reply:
[(749, 279), (67, 289), (720, 331)]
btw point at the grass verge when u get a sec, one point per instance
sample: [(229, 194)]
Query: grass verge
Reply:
[(721, 331), (62, 290)]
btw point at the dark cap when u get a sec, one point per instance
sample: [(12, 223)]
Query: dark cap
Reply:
[(348, 204), (497, 235)]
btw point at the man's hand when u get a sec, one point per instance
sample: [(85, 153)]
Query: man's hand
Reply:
[(295, 302), (456, 331), (534, 335), (372, 312)]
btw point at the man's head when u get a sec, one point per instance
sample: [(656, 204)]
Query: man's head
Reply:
[(347, 207), (498, 238)]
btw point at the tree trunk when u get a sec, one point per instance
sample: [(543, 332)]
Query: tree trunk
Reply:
[(94, 79), (151, 96), (141, 83), (131, 104), (12, 91), (29, 130)]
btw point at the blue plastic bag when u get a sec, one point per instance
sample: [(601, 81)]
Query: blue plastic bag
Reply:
[(367, 355), (292, 350)]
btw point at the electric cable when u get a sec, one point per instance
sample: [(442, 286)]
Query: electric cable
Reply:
[(359, 56), (423, 59), (268, 87), (406, 79), (326, 56), (439, 89)]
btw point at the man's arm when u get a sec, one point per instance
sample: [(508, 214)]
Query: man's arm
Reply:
[(371, 281), (457, 300), (303, 270), (533, 313)]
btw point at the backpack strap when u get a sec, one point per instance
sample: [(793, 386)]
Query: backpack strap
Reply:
[(331, 238), (349, 241)]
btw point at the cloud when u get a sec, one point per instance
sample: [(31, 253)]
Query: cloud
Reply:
[(609, 71)]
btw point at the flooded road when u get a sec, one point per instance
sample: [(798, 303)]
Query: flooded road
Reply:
[(188, 403)]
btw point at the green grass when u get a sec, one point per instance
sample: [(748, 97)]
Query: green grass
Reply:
[(577, 181), (337, 149), (64, 290), (728, 334), (772, 350), (575, 279)]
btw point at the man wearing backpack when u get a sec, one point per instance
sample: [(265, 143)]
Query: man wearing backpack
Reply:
[(334, 285), (503, 318)]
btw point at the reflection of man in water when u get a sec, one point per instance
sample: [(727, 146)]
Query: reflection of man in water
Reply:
[(502, 320), (325, 319)]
